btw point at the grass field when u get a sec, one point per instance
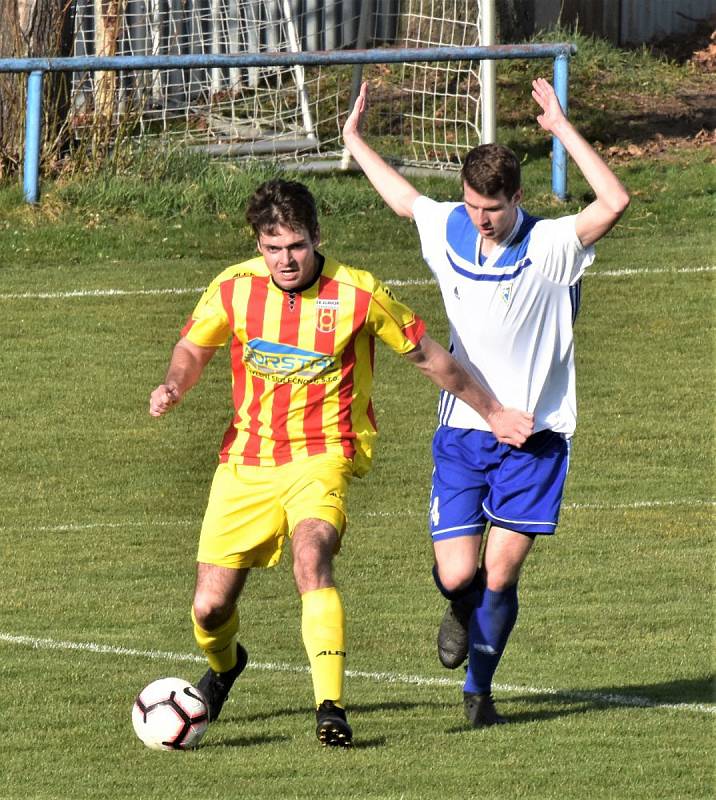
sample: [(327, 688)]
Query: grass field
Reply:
[(608, 679)]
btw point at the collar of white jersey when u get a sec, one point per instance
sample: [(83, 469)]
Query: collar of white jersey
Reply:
[(501, 247), (470, 266)]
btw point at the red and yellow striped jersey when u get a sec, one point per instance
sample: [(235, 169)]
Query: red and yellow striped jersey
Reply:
[(302, 362)]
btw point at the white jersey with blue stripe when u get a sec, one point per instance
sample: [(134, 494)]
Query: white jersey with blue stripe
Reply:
[(511, 317)]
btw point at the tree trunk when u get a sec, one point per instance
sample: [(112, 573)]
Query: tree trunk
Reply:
[(29, 29), (515, 20)]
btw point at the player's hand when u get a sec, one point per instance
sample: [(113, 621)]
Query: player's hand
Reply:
[(352, 124), (163, 398), (545, 97), (511, 426)]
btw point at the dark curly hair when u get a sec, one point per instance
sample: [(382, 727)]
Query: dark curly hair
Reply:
[(278, 202)]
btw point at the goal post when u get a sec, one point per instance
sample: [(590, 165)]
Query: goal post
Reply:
[(428, 114)]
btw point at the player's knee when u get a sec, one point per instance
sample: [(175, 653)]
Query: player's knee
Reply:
[(312, 571), (313, 550), (456, 579), (499, 579), (210, 611)]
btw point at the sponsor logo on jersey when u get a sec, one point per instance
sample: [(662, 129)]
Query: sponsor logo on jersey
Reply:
[(282, 363), (326, 314)]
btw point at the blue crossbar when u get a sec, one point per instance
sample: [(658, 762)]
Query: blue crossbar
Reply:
[(36, 67)]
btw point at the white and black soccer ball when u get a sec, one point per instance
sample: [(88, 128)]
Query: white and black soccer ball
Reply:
[(170, 714)]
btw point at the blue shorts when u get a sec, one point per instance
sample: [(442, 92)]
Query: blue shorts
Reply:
[(477, 480)]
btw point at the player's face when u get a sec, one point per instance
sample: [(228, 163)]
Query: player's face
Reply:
[(290, 256), (494, 217)]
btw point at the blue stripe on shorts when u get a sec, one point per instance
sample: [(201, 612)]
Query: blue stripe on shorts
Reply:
[(477, 480)]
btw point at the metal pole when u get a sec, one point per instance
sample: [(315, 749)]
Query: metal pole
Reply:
[(318, 58), (488, 72), (298, 71), (366, 12), (559, 154), (33, 136)]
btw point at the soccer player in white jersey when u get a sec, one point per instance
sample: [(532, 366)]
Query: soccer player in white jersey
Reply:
[(510, 284)]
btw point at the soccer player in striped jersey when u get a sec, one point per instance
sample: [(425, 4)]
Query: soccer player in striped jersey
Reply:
[(510, 283), (302, 328)]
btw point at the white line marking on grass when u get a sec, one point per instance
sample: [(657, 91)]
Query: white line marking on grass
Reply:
[(620, 273), (639, 504), (97, 293), (379, 677), (574, 507), (80, 293), (71, 527)]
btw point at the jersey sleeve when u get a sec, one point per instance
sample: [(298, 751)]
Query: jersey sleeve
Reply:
[(556, 250), (431, 220), (208, 325), (392, 322)]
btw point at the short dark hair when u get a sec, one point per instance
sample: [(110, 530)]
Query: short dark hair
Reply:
[(278, 202), (489, 169)]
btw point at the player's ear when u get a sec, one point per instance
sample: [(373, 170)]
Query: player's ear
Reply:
[(316, 239), (517, 197)]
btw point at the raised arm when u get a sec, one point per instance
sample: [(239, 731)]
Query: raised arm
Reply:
[(509, 425), (612, 199), (398, 193), (185, 368)]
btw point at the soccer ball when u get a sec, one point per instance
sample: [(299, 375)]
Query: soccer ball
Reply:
[(170, 714)]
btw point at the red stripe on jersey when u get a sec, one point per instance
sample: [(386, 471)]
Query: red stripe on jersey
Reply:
[(238, 392), (369, 410), (324, 342), (345, 392), (254, 330), (187, 327), (239, 383), (290, 323)]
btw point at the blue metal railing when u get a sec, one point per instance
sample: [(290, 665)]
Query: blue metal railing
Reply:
[(37, 67)]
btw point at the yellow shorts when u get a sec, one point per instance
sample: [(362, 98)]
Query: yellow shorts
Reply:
[(251, 510)]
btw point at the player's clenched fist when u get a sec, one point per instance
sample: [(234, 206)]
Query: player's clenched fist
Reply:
[(162, 399), (511, 426)]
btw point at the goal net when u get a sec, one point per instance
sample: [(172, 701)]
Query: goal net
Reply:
[(425, 113)]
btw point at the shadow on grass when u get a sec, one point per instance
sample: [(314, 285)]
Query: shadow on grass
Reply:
[(361, 708), (670, 693), (555, 704), (573, 702), (358, 708), (246, 741)]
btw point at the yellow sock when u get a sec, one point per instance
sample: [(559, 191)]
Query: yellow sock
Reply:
[(219, 645), (324, 636)]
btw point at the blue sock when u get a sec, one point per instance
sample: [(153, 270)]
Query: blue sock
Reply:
[(490, 626)]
